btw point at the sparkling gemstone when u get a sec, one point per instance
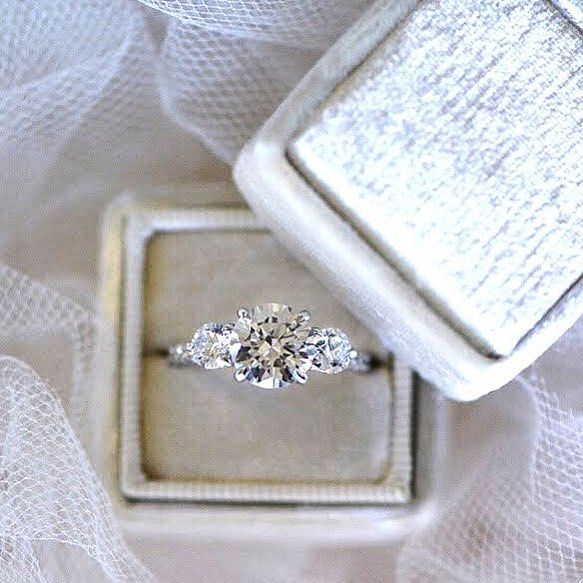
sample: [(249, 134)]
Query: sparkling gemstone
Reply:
[(210, 346), (266, 347), (179, 356), (328, 349)]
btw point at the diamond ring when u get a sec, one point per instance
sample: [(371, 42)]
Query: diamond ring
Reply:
[(272, 347)]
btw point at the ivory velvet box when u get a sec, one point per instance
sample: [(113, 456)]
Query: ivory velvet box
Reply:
[(188, 444), (429, 169)]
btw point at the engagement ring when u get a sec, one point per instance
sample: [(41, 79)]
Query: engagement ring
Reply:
[(271, 346)]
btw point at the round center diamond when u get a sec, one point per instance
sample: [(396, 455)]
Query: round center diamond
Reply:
[(266, 346)]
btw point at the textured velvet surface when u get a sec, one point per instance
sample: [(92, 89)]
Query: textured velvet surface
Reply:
[(447, 149)]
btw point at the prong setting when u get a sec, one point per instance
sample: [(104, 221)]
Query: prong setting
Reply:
[(243, 314), (303, 317)]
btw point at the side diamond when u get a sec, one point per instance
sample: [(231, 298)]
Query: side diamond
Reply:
[(209, 346), (328, 349)]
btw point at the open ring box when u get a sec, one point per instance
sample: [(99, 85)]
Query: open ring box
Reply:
[(427, 172), (206, 453)]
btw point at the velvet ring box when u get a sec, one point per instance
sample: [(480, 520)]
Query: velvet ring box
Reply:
[(188, 435), (428, 168)]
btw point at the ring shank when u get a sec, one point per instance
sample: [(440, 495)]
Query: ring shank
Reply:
[(179, 356), (361, 363)]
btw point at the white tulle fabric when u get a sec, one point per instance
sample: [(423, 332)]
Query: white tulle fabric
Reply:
[(56, 523), (101, 95), (520, 518)]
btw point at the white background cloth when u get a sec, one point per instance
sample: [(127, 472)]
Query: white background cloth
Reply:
[(98, 96)]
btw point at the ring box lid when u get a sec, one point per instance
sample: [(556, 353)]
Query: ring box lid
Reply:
[(429, 173)]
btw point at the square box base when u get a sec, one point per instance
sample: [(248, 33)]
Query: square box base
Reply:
[(194, 437)]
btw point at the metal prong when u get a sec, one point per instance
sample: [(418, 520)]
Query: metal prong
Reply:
[(302, 380), (243, 314), (303, 316), (241, 375)]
